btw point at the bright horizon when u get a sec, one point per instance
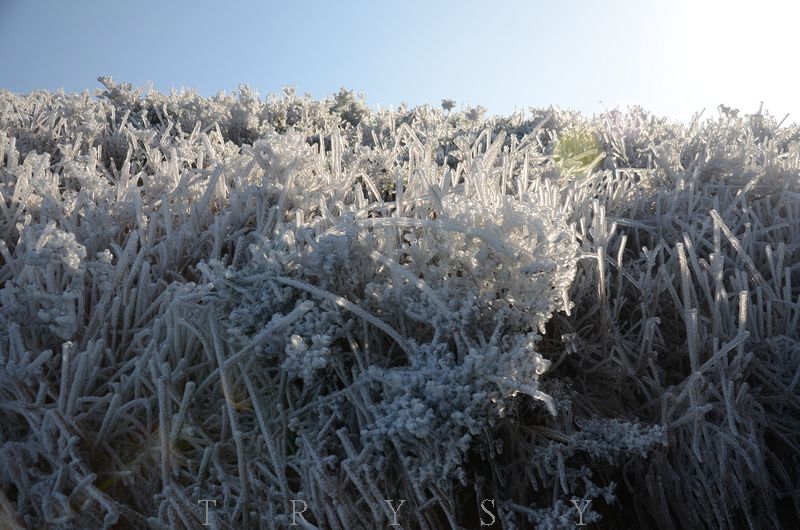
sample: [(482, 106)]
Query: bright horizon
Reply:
[(672, 59)]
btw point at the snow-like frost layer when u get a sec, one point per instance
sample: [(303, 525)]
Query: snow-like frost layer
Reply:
[(254, 301)]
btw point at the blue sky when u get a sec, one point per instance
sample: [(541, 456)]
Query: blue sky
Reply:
[(673, 58)]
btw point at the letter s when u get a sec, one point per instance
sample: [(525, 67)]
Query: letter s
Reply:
[(488, 512)]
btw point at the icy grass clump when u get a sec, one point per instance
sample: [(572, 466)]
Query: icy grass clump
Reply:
[(454, 288), (46, 290), (254, 301)]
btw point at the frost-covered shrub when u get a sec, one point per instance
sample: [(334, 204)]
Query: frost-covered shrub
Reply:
[(45, 292), (255, 301)]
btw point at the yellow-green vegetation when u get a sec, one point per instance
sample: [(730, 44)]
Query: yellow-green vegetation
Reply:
[(577, 152)]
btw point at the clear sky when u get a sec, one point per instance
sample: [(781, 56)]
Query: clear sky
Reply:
[(672, 57)]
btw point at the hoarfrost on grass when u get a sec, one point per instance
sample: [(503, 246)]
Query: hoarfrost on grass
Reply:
[(255, 301)]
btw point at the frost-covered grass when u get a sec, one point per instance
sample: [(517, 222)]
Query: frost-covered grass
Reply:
[(253, 301)]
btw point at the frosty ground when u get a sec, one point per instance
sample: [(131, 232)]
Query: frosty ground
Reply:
[(255, 301)]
